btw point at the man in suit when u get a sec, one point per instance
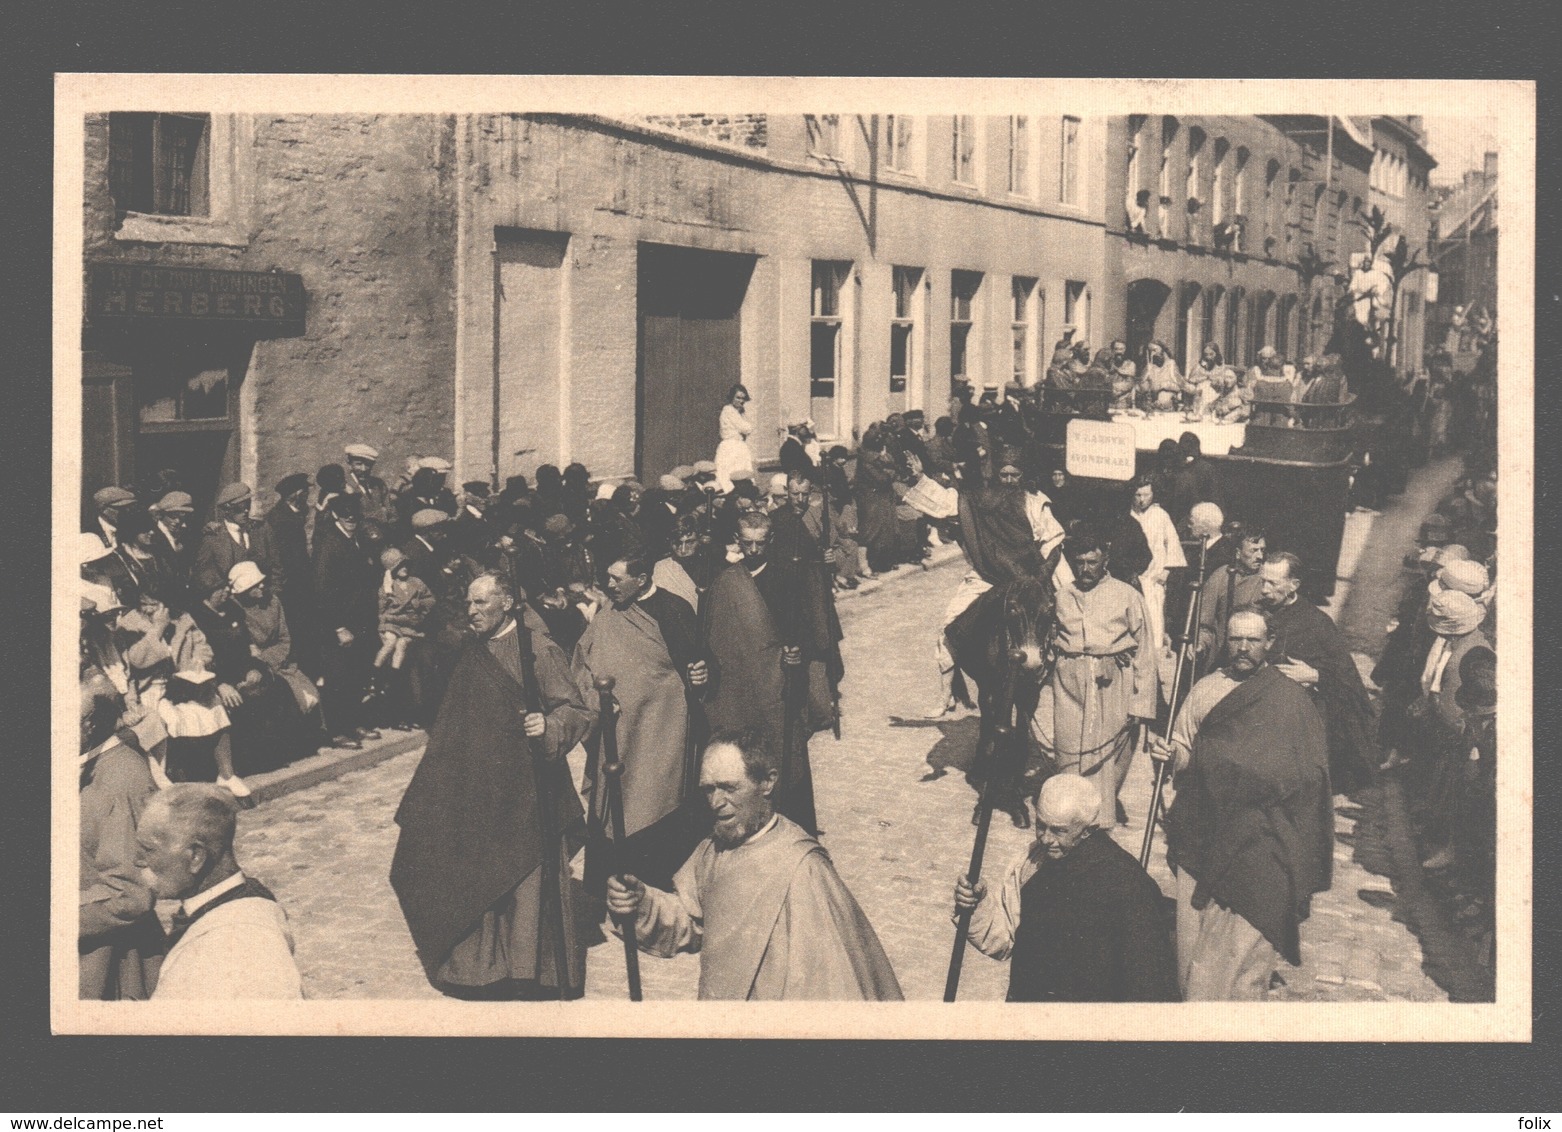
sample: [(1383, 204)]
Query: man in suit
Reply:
[(170, 545), (427, 490), (345, 580), (288, 522), (379, 516), (230, 936), (233, 538), (109, 502)]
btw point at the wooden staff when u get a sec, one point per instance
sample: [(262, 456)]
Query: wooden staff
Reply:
[(1185, 659), (546, 814), (613, 768), (1003, 738)]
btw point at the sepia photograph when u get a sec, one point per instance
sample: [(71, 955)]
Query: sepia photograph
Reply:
[(882, 558)]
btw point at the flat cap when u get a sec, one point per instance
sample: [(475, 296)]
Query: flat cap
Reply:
[(176, 501), (705, 467), (112, 496), (435, 464), (362, 451), (605, 490), (683, 471), (234, 493), (287, 485), (1465, 576), (670, 482), (428, 517)]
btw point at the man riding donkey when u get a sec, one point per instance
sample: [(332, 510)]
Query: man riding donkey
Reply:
[(999, 638)]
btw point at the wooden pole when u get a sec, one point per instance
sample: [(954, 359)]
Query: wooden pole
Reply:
[(1003, 739), (613, 769), (1185, 659)]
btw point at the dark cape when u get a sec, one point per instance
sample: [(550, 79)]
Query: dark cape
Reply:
[(1253, 822), (1092, 930), (996, 535), (470, 829), (1304, 632), (746, 683)]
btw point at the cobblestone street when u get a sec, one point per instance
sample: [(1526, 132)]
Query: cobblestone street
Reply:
[(895, 809)]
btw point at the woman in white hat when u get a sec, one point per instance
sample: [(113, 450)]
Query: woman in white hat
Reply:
[(733, 453), (1456, 619)]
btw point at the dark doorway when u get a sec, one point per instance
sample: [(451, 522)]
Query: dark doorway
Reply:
[(1146, 297), (690, 304)]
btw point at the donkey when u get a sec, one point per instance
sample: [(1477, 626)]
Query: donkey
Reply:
[(1000, 643)]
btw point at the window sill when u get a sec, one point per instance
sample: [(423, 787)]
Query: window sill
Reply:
[(149, 228)]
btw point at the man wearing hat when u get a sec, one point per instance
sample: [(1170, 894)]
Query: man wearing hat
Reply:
[(100, 563), (378, 514), (173, 553), (346, 579), (472, 533), (232, 539), (288, 522), (427, 490), (108, 502)]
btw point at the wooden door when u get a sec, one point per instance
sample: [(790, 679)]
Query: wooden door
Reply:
[(690, 302)]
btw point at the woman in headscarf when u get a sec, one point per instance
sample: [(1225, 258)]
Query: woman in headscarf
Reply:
[(1455, 618), (733, 453)]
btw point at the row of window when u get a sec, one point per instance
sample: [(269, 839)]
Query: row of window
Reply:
[(902, 142), (1208, 191), (831, 332), (1392, 174)]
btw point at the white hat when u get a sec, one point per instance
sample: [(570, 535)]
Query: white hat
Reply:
[(362, 451), (91, 548), (245, 576), (778, 484), (605, 490), (102, 597)]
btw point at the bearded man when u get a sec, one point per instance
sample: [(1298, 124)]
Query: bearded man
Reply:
[(760, 899), (1251, 833)]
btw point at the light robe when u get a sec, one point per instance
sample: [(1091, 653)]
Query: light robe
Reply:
[(771, 920), (244, 949), (1165, 554), (1104, 675)]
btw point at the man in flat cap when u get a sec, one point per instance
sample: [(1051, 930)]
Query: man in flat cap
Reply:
[(107, 503), (346, 577), (374, 493), (233, 538), (288, 522), (171, 547), (427, 492), (472, 533)]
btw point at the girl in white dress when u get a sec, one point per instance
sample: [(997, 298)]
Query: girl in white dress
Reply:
[(733, 453)]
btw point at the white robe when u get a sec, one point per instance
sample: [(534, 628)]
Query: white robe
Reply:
[(1165, 554)]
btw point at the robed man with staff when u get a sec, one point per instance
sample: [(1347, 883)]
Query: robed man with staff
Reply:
[(647, 642), (491, 820), (759, 899)]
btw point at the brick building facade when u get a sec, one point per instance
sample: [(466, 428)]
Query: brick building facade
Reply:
[(514, 289), (1235, 230)]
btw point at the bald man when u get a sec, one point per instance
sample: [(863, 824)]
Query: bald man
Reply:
[(230, 937), (1077, 918)]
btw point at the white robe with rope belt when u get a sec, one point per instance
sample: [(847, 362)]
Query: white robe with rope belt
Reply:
[(1103, 676)]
